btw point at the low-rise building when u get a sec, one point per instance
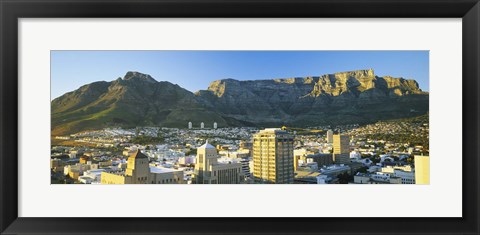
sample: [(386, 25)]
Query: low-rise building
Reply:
[(161, 175), (75, 171), (94, 174), (335, 170), (186, 160), (386, 178), (326, 179), (376, 178), (84, 159), (361, 178), (406, 173), (391, 169), (408, 177), (57, 165), (306, 177), (85, 179), (140, 172)]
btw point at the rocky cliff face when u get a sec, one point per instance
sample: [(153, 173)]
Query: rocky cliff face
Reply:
[(139, 100), (347, 97)]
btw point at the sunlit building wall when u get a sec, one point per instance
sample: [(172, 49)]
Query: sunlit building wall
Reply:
[(422, 169), (341, 149), (329, 138), (209, 171), (273, 156)]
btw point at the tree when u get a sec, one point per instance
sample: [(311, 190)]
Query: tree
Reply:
[(375, 160), (144, 140), (344, 178), (191, 152), (362, 169)]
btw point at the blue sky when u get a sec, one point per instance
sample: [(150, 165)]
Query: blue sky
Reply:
[(194, 70)]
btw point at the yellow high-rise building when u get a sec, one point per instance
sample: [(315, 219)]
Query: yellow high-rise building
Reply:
[(422, 169), (273, 156), (341, 149)]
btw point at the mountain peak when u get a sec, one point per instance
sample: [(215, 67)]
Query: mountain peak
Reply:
[(137, 76), (357, 96)]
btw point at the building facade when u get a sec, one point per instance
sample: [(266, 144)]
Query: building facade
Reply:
[(341, 149), (422, 169), (322, 159), (273, 156), (406, 173), (209, 171), (377, 178), (329, 138), (138, 168)]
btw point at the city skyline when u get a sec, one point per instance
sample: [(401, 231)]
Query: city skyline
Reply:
[(136, 117), (194, 70), (243, 156)]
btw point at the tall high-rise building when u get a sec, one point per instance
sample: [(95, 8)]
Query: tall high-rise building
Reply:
[(214, 125), (209, 171), (273, 156), (422, 169), (329, 138), (202, 125), (341, 149), (189, 125)]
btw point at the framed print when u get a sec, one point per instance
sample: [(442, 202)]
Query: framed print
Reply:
[(239, 117)]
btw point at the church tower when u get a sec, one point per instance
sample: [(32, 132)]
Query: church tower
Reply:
[(206, 156), (138, 168)]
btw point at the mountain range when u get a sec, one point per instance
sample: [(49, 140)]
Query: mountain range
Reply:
[(137, 99)]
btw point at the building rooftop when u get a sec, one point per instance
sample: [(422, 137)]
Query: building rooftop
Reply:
[(303, 174), (159, 170), (206, 146), (272, 130), (362, 174), (138, 154), (96, 171), (225, 160)]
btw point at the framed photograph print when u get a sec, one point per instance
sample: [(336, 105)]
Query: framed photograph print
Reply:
[(239, 117)]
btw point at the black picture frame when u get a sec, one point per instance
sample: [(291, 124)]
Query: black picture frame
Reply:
[(12, 10)]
